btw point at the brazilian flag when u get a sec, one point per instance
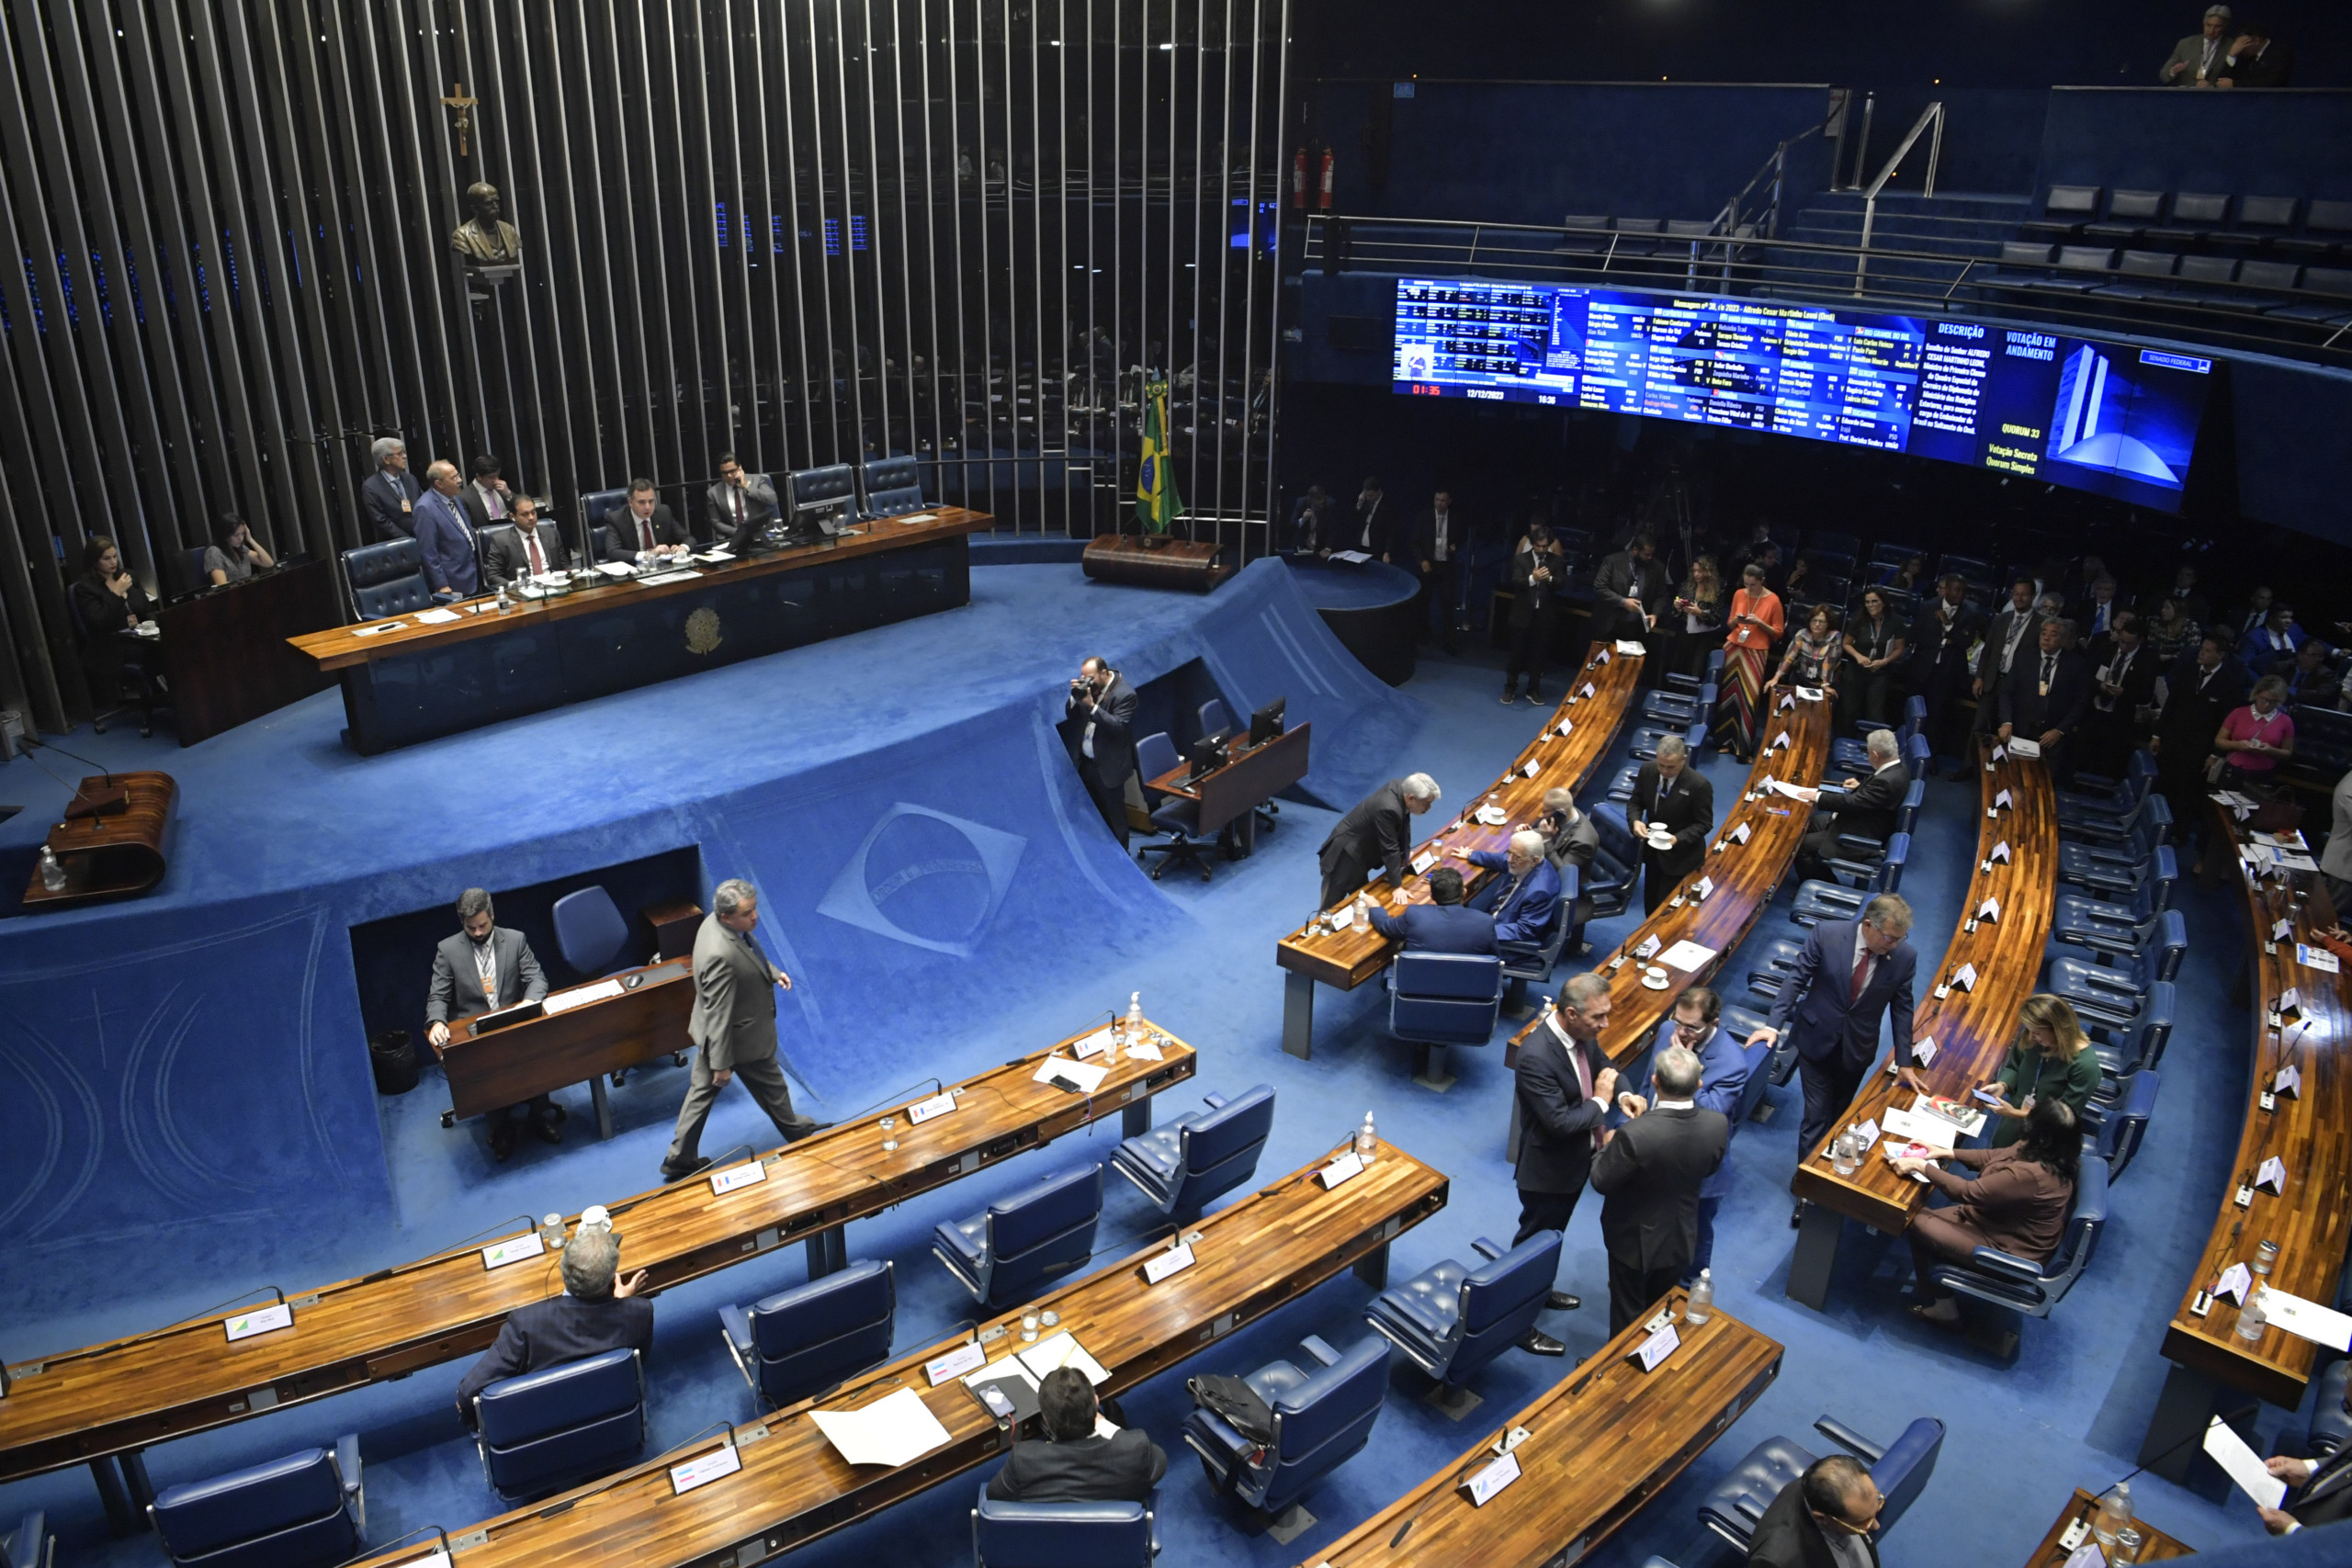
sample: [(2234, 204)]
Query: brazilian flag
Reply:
[(1156, 498)]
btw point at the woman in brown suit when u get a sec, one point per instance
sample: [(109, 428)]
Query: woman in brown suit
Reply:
[(2018, 1202)]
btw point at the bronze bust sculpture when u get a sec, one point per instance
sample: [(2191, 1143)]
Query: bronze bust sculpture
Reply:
[(484, 240)]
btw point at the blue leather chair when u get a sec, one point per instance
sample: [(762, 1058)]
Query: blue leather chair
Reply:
[(2111, 869), (1621, 787), (2111, 994), (1693, 734), (1064, 1535), (1452, 1319), (1322, 1416), (192, 560), (2006, 1280), (1181, 1164), (305, 1511), (1735, 1507), (590, 930), (386, 579), (595, 507), (2113, 1123), (892, 487), (1436, 999), (1616, 865), (543, 1431), (790, 1345), (2330, 1428), (1820, 900), (2079, 919), (2138, 1041), (1852, 754), (1178, 817), (832, 488), (2098, 794), (1712, 674), (1680, 708), (1024, 1238), (30, 1545)]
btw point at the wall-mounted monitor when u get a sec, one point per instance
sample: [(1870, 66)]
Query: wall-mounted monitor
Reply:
[(2078, 411)]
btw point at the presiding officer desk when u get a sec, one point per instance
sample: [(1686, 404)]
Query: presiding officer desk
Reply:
[(1601, 1443), (794, 1486), (1345, 959), (409, 678), (1744, 874), (84, 1405), (1972, 1028), (2310, 1131), (609, 1024)]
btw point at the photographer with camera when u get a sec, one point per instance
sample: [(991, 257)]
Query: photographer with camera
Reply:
[(1103, 706)]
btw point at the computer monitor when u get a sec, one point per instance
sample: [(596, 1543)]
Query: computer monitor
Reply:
[(1267, 722), (1206, 755)]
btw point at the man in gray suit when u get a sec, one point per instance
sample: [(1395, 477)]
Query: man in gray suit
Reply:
[(733, 1026), (739, 506), (484, 967)]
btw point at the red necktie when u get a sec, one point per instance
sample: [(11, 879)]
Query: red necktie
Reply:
[(644, 533), (1861, 974), (538, 561), (1584, 1077)]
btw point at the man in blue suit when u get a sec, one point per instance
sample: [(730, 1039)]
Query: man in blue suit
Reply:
[(1851, 974), (1440, 926), (1523, 899), (1697, 1027), (447, 539)]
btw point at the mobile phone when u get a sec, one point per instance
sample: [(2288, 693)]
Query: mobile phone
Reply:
[(993, 1397)]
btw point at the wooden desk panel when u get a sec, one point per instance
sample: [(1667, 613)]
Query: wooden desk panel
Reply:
[(1602, 1442), (1745, 876), (1255, 1256), (117, 856), (1347, 959), (2313, 1133), (107, 1399), (1972, 1030), (344, 647), (226, 653), (508, 1066), (2154, 1545), (1248, 777)]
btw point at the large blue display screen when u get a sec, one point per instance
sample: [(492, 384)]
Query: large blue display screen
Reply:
[(2093, 415)]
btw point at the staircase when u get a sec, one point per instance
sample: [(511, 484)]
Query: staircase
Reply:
[(1965, 227)]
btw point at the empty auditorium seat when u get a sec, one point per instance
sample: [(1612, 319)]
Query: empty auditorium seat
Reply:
[(2195, 216), (2129, 213), (2063, 212)]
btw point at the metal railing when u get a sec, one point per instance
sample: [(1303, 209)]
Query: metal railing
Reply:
[(1776, 166), (1933, 114)]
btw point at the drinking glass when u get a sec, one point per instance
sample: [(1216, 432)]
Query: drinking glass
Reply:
[(889, 1142), (1029, 1327)]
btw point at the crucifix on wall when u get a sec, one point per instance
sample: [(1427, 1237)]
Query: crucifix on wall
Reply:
[(458, 100)]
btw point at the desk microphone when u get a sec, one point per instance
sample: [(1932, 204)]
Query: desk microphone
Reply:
[(2226, 1418), (86, 802)]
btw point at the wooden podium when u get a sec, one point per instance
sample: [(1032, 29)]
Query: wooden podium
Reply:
[(1153, 561), (119, 854)]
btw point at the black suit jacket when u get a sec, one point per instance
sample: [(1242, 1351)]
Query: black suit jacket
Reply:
[(1423, 538), (1557, 1119), (1622, 577), (1690, 812), (1996, 637), (1114, 719), (1869, 808), (622, 522), (2029, 712), (381, 495), (2327, 1497), (1529, 598), (504, 556), (2139, 681), (1829, 1026), (1377, 833), (1649, 1176), (2275, 68), (1939, 653), (548, 1334), (1789, 1537), (1092, 1469)]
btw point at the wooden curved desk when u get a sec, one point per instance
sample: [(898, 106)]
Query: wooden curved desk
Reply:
[(2311, 1133), (1972, 1029), (120, 855), (1744, 874), (1345, 959)]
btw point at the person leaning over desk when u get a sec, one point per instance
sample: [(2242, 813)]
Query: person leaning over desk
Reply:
[(481, 969), (595, 1313), (1376, 834), (232, 557)]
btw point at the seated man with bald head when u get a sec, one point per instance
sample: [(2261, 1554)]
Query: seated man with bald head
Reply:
[(1828, 1517)]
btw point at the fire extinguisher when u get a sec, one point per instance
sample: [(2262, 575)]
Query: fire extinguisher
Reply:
[(1299, 179), (1324, 196)]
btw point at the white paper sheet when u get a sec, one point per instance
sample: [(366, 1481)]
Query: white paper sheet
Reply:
[(2319, 1325), (564, 1001), (687, 575), (1061, 1350), (1087, 1076), (1687, 955), (1353, 558), (890, 1431), (1627, 645), (435, 617), (2241, 1465), (614, 567), (1917, 1127)]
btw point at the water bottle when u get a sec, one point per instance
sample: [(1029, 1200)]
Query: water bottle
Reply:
[(52, 876), (1365, 1139), (2251, 1319), (1842, 1156), (2113, 1517), (1701, 1305), (551, 1233), (504, 603)]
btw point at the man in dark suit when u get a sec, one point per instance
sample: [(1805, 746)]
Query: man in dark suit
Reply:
[(2200, 690), (452, 561), (2319, 1491), (1696, 1025), (2009, 640), (1868, 809), (2249, 618), (484, 967), (1833, 1501), (528, 548), (1378, 833), (1851, 975), (2256, 59), (596, 1313), (1435, 548), (642, 525), (1941, 635), (1441, 925), (391, 494), (1635, 586), (2193, 604), (488, 500), (1562, 1090), (1372, 529), (1648, 1175), (739, 507), (1672, 796), (2046, 695), (1103, 706), (2093, 610), (1526, 896), (2123, 681), (1075, 1462)]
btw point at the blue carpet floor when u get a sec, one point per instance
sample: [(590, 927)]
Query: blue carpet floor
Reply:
[(2068, 1410)]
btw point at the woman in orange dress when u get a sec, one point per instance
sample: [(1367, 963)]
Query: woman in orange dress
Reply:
[(1755, 622)]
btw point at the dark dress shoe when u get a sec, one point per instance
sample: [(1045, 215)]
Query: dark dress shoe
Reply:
[(547, 1130), (1560, 1301), (680, 1172), (501, 1142), (1796, 1216), (1535, 697), (1537, 1343), (1510, 693)]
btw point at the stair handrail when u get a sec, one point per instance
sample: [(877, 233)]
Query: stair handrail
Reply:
[(1932, 114), (1776, 164)]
